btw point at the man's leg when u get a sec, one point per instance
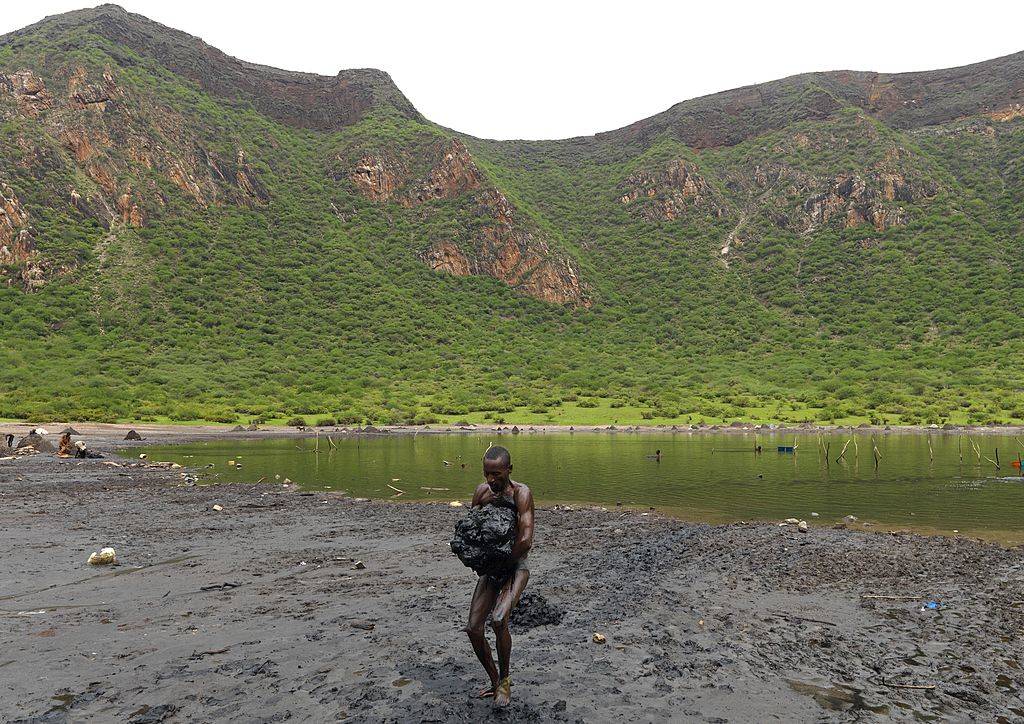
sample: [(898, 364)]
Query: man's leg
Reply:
[(507, 599), (481, 605)]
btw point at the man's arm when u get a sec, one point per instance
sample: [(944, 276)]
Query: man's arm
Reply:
[(524, 534), (478, 495)]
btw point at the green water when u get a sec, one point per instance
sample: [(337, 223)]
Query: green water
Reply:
[(698, 478)]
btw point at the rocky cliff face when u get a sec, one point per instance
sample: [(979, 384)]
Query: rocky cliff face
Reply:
[(383, 176), (671, 192), (303, 100), (901, 100), (803, 202), (794, 200), (505, 247), (19, 261), (97, 131)]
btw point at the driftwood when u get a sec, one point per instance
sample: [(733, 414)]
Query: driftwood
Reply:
[(842, 452), (893, 685), (397, 491), (783, 614)]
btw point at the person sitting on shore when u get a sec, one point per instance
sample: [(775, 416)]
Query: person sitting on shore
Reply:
[(65, 448), (497, 596), (81, 451)]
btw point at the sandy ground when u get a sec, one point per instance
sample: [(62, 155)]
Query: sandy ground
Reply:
[(259, 613)]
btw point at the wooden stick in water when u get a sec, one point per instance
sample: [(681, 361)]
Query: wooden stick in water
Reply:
[(843, 451), (931, 455), (996, 461)]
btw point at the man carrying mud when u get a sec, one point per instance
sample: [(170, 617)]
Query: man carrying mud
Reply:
[(498, 595)]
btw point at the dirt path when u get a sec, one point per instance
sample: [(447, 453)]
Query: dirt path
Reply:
[(258, 612)]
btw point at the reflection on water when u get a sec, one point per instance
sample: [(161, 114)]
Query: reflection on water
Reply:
[(919, 482)]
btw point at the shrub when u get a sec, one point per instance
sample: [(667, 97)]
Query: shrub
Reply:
[(297, 422)]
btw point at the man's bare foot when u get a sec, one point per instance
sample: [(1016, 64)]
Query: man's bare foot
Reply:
[(487, 693), (503, 692)]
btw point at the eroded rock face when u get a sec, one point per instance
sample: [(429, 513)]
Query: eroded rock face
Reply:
[(378, 176), (801, 202), (18, 253), (453, 175), (505, 247), (383, 177), (667, 194), (28, 90), (861, 200), (1010, 113), (110, 135)]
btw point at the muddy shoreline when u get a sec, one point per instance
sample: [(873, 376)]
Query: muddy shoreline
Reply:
[(112, 435), (259, 613)]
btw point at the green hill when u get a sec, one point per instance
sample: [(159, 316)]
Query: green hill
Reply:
[(185, 235)]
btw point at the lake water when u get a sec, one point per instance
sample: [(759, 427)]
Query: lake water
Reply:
[(701, 476)]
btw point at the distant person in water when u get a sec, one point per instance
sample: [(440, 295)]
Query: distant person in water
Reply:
[(656, 456), (497, 596)]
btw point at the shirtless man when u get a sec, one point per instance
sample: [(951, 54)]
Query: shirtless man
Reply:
[(498, 595)]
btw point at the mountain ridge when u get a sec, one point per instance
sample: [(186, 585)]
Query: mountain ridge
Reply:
[(878, 92)]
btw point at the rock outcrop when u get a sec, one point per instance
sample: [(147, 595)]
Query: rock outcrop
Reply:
[(28, 91), (384, 177), (115, 146), (504, 247), (802, 202), (19, 260), (676, 190), (507, 251)]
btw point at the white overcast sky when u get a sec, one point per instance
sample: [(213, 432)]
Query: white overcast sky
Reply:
[(529, 69)]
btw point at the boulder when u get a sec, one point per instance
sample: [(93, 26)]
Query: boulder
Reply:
[(36, 442), (484, 537), (69, 431), (132, 435)]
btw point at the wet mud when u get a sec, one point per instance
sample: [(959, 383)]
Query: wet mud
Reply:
[(259, 612)]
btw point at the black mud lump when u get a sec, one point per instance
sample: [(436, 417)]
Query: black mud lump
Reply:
[(484, 538)]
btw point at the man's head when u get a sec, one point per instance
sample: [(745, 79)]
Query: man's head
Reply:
[(497, 467)]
